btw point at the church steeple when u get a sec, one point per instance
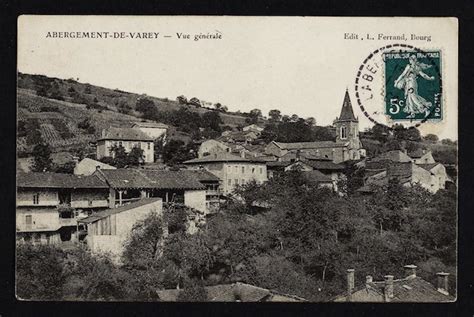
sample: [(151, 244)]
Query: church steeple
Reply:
[(347, 114)]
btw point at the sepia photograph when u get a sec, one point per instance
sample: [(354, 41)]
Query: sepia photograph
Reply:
[(237, 159)]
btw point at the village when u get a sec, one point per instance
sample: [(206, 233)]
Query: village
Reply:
[(99, 205)]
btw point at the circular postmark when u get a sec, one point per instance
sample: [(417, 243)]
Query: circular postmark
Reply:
[(400, 84)]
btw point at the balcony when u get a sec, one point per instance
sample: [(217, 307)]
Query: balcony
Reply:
[(89, 203), (30, 203)]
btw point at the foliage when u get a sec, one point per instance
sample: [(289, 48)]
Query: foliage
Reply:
[(120, 158), (431, 137), (39, 272), (67, 168), (176, 151), (86, 125), (195, 292), (42, 161)]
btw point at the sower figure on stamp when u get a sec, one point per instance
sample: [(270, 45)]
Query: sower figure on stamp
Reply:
[(414, 103)]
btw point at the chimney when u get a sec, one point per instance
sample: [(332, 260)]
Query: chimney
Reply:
[(350, 284), (410, 270), (443, 286), (388, 290), (368, 279)]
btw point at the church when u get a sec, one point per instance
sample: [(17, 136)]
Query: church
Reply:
[(346, 147)]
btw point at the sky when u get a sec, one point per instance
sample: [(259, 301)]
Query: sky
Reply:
[(299, 65)]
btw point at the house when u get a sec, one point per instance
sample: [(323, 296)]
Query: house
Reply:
[(347, 145), (253, 128), (129, 138), (49, 204), (403, 168), (231, 169), (107, 230), (411, 288), (239, 137), (211, 147), (88, 166), (184, 186), (235, 292), (152, 129), (421, 156)]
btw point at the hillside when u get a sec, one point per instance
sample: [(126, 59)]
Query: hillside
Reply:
[(54, 109), (84, 93)]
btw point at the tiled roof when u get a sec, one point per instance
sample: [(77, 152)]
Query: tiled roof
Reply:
[(93, 163), (125, 134), (394, 156), (324, 165), (231, 293), (413, 289), (308, 145), (428, 167), (223, 157), (278, 163), (102, 214), (401, 171), (158, 179), (417, 153), (58, 180), (204, 176), (150, 125)]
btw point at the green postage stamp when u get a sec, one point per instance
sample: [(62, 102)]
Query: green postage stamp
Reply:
[(413, 89)]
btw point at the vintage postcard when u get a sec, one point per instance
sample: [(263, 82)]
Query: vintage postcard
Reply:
[(251, 159)]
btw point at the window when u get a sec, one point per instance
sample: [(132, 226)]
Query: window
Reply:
[(236, 181), (261, 170), (253, 170), (36, 199), (37, 237), (229, 168), (149, 145), (229, 182), (243, 169), (236, 169), (343, 132), (28, 220), (120, 143)]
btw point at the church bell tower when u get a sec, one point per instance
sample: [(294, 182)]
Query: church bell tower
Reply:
[(347, 125)]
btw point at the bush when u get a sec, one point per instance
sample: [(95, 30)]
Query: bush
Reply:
[(39, 272)]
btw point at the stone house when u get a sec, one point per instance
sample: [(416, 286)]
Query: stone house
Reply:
[(398, 165), (153, 129), (108, 230), (347, 145), (410, 288), (88, 166), (421, 156), (128, 138), (184, 186), (49, 204), (231, 169), (253, 128), (211, 147)]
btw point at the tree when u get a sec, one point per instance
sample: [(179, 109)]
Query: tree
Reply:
[(176, 151), (39, 272), (120, 157), (218, 106), (275, 115), (182, 100), (195, 102), (67, 168), (212, 120), (310, 121), (194, 292), (431, 138), (135, 157), (42, 161), (147, 108)]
